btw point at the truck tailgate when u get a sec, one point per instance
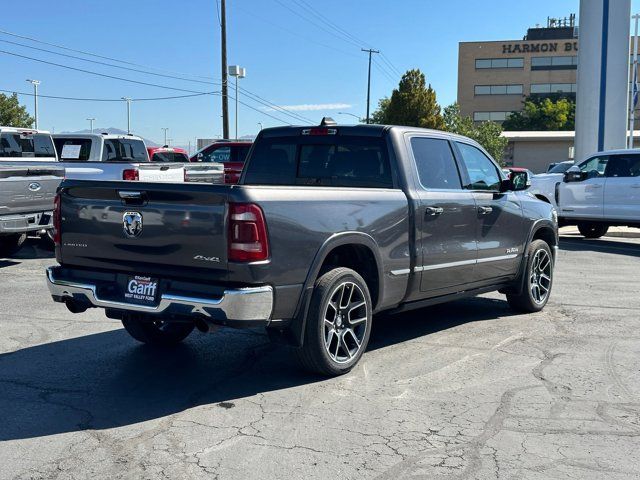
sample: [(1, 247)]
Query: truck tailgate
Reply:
[(28, 189), (165, 229)]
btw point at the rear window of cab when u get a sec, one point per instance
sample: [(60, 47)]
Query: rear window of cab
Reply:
[(339, 161)]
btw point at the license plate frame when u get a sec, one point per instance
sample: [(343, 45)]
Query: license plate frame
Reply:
[(141, 290)]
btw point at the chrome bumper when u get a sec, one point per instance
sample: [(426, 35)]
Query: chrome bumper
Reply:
[(26, 222), (253, 305)]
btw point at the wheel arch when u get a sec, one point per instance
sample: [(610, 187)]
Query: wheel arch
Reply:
[(355, 250)]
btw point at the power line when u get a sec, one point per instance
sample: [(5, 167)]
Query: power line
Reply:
[(83, 52), (391, 65), (206, 82), (261, 100), (385, 72), (57, 97)]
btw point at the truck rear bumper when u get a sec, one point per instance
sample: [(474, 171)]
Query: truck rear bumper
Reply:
[(235, 307), (26, 222)]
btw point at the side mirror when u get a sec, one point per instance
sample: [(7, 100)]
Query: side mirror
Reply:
[(520, 181), (573, 174)]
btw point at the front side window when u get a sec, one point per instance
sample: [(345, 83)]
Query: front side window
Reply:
[(483, 174), (435, 163), (623, 166), (594, 167), (124, 150)]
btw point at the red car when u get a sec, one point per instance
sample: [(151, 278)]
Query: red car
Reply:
[(230, 154), (168, 154)]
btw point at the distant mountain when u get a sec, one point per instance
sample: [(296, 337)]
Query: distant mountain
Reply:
[(114, 131)]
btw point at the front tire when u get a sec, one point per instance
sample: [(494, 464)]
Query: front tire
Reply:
[(10, 244), (338, 324), (538, 280), (156, 332), (592, 230)]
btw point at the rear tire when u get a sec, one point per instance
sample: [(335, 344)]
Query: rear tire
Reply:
[(10, 244), (592, 230), (538, 280), (156, 332), (338, 324)]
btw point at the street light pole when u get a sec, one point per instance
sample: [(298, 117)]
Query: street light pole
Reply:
[(238, 72), (35, 84), (351, 114), (370, 51), (128, 100), (165, 135), (91, 120)]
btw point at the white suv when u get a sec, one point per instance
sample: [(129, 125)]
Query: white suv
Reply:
[(601, 191)]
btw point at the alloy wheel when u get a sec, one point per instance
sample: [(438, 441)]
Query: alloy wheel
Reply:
[(540, 276), (345, 322)]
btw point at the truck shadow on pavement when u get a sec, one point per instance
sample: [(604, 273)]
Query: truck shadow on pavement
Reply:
[(106, 380), (614, 247), (33, 249)]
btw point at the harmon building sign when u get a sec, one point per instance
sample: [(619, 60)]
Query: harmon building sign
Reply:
[(539, 47)]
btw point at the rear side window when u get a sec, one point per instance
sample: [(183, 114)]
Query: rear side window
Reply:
[(224, 154), (337, 161), (623, 166), (169, 157), (73, 149), (124, 150), (482, 171), (19, 145), (435, 163)]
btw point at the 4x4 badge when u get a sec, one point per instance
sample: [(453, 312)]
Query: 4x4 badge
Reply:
[(132, 224)]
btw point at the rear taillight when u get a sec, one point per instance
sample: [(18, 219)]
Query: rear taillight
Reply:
[(247, 238), (57, 220), (131, 174)]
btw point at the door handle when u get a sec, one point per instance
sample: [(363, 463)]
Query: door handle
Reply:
[(433, 211), (485, 210)]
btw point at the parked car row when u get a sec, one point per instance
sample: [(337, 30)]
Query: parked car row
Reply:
[(33, 162)]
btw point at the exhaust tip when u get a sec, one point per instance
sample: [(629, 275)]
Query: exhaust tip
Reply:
[(74, 307), (206, 327)]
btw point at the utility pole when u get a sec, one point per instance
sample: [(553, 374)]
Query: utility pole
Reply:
[(165, 135), (91, 120), (225, 92), (128, 100), (370, 51), (35, 84)]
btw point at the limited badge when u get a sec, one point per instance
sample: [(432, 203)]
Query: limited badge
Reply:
[(132, 224)]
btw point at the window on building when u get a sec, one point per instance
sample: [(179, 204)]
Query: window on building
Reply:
[(554, 63), (498, 89), (490, 116), (549, 88), (500, 62)]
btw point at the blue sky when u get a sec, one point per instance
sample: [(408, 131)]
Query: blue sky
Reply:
[(289, 61)]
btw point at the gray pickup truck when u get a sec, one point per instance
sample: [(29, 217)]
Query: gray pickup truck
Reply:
[(327, 226), (26, 203)]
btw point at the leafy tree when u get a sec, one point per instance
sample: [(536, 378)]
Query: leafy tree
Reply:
[(487, 134), (543, 113), (12, 114), (413, 104)]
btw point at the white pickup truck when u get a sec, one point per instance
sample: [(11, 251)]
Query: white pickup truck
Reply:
[(106, 156), (601, 191), (87, 156)]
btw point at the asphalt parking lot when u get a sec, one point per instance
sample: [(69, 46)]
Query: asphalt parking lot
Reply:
[(464, 390)]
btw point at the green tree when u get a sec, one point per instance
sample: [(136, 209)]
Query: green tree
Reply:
[(12, 114), (412, 104), (543, 113), (487, 134)]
